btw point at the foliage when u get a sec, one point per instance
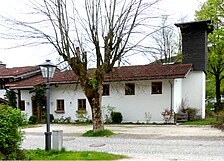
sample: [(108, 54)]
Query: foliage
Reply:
[(82, 116), (11, 96), (93, 82), (192, 113), (221, 116), (92, 133), (51, 117), (69, 155), (62, 119), (109, 109), (116, 117), (210, 86), (32, 119), (39, 93), (11, 120), (209, 110)]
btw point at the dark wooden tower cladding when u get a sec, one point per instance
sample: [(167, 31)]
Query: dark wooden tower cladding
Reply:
[(194, 43)]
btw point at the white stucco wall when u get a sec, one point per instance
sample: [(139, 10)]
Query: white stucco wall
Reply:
[(70, 93), (26, 96), (177, 93), (194, 91), (133, 107), (2, 93)]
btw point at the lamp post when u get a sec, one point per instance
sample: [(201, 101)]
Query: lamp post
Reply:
[(47, 70)]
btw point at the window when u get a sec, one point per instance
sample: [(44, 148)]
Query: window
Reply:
[(81, 104), (106, 89), (129, 89), (156, 87), (60, 105), (22, 105)]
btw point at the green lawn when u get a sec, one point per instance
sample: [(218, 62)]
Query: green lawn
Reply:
[(100, 133), (69, 155), (207, 121)]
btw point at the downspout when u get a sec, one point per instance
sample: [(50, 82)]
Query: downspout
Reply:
[(19, 99), (171, 99)]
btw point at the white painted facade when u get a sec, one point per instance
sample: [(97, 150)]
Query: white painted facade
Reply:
[(132, 107), (194, 91), (2, 93)]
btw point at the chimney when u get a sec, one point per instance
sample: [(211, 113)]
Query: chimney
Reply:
[(194, 43), (2, 66)]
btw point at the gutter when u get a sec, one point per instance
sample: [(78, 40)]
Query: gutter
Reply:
[(171, 98)]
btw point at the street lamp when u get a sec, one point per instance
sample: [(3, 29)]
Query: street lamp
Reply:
[(47, 70)]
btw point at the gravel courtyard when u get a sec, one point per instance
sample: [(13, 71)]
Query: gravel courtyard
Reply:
[(140, 142)]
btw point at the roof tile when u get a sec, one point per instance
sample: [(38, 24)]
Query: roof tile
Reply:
[(126, 73)]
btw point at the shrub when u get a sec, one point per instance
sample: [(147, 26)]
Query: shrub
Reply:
[(221, 116), (11, 121), (51, 117), (82, 116), (108, 110), (33, 119), (116, 117), (192, 113)]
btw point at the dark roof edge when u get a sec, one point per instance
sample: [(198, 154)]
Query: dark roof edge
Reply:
[(207, 24)]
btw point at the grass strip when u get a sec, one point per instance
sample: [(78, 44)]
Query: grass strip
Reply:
[(69, 155)]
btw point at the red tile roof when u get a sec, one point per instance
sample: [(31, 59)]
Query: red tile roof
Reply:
[(127, 73), (151, 71), (17, 71)]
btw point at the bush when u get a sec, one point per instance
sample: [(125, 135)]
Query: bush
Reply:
[(33, 120), (11, 121), (51, 117), (221, 116), (192, 113), (116, 117), (108, 110)]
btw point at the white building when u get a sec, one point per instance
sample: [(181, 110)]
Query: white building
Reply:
[(134, 90)]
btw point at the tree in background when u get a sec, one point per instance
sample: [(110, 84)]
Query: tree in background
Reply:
[(214, 10), (165, 46), (83, 33), (10, 95)]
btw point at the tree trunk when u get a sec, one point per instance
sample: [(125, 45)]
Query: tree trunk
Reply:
[(38, 114), (218, 95), (95, 100)]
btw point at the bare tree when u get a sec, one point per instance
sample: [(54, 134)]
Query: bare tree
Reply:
[(97, 32), (165, 43)]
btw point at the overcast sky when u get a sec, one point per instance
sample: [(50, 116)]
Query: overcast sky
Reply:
[(27, 56)]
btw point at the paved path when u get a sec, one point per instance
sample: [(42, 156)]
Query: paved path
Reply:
[(140, 142)]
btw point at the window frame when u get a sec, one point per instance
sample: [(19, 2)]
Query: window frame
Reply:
[(129, 89), (60, 105), (157, 87), (106, 89), (82, 103)]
